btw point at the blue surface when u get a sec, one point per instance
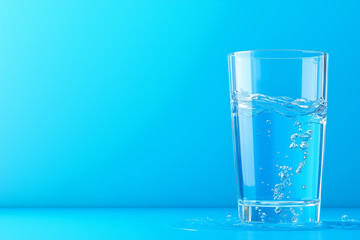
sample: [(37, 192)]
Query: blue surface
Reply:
[(18, 224), (126, 103)]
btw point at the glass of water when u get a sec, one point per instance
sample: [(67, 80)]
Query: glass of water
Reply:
[(278, 110)]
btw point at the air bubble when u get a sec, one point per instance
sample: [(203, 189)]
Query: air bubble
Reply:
[(305, 136), (304, 187), (277, 210), (283, 175), (299, 168), (286, 156), (294, 217), (294, 136), (345, 218), (280, 186), (262, 216), (293, 145), (304, 145)]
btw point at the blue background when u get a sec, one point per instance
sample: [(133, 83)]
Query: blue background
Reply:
[(126, 103)]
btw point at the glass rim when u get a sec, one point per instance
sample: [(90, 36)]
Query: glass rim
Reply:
[(248, 53)]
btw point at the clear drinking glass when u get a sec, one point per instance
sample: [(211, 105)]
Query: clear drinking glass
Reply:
[(278, 110)]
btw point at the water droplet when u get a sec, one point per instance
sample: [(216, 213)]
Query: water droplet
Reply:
[(304, 187), (278, 210)]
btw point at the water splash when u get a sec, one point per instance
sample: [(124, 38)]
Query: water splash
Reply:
[(249, 105)]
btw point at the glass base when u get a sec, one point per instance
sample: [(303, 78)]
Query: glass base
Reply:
[(300, 212)]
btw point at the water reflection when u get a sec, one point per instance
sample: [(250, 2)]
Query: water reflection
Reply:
[(233, 223)]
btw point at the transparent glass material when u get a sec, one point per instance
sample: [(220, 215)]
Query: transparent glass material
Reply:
[(278, 110)]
